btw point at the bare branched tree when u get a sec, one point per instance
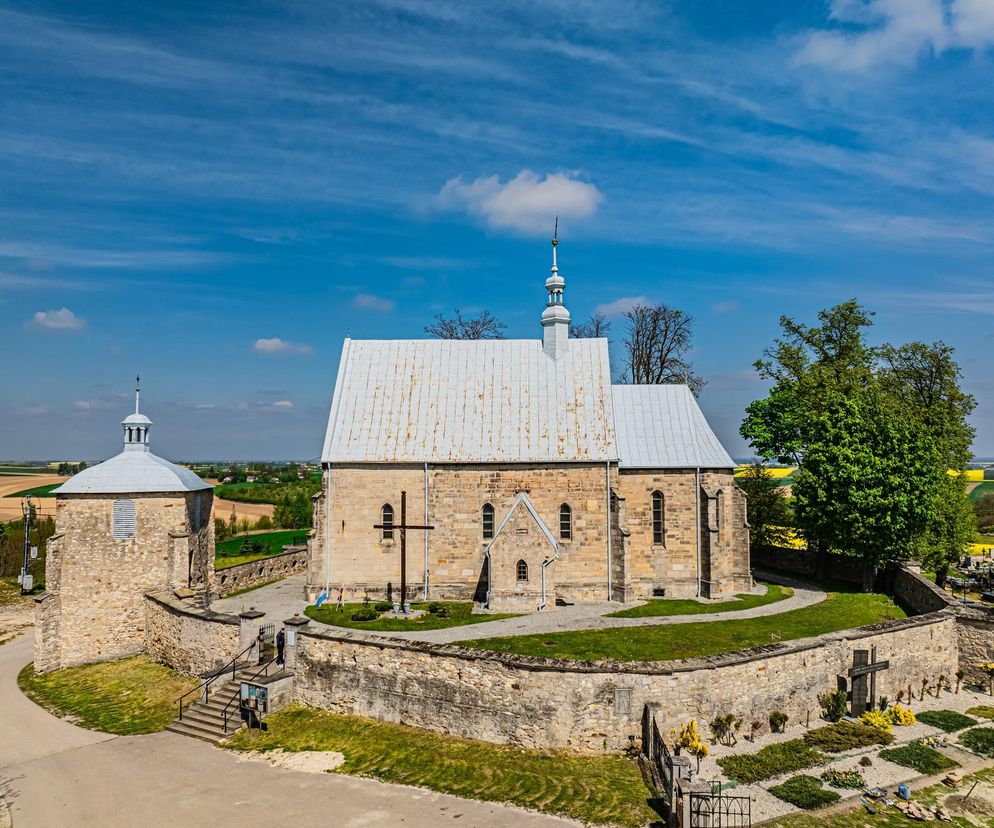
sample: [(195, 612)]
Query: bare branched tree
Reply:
[(656, 344), (596, 325), (484, 326)]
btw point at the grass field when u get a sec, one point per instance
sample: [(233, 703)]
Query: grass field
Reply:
[(981, 489), (264, 492), (840, 611), (460, 614), (676, 606), (592, 789), (272, 541), (37, 491), (134, 695)]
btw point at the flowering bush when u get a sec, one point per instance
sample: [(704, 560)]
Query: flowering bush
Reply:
[(901, 716), (689, 738), (874, 718)]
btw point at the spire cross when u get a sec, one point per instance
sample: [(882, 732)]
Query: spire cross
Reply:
[(138, 390), (555, 244)]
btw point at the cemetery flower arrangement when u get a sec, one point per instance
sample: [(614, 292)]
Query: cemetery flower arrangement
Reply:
[(901, 716), (881, 721), (844, 779)]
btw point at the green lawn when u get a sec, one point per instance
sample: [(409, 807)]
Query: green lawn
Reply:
[(981, 489), (592, 789), (887, 817), (678, 606), (839, 611), (234, 560), (37, 491), (133, 695), (273, 541), (460, 614)]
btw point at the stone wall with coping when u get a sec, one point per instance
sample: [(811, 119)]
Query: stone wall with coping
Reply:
[(804, 562), (292, 561), (190, 640), (553, 703)]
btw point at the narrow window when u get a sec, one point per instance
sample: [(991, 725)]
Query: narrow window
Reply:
[(522, 571), (719, 508), (387, 514), (488, 521), (130, 438), (123, 524), (658, 518), (565, 522), (196, 513)]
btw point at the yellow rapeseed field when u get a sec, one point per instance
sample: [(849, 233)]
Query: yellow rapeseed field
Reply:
[(775, 471)]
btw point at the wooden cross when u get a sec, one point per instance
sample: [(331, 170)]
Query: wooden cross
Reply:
[(864, 663), (403, 526)]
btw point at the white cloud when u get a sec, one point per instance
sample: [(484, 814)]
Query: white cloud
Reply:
[(283, 404), (281, 346), (93, 405), (621, 306), (896, 32), (367, 301), (526, 203), (57, 320)]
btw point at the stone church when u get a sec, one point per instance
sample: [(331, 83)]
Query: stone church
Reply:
[(544, 483)]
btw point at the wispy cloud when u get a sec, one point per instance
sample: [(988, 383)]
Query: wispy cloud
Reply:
[(281, 346), (619, 307), (368, 301), (93, 405), (62, 320), (526, 203)]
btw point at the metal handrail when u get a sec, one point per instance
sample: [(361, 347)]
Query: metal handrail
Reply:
[(206, 684), (263, 672)]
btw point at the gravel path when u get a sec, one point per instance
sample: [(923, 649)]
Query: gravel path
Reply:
[(282, 600)]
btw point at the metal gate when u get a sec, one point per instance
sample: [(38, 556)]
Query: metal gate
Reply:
[(717, 810), (267, 642)]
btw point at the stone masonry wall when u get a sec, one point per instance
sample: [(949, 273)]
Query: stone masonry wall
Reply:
[(94, 606), (548, 703), (233, 578), (366, 563), (186, 639)]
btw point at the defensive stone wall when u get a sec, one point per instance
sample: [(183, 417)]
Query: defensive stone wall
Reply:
[(189, 640), (805, 562), (292, 561), (551, 703)]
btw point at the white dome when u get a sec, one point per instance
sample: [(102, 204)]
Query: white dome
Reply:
[(133, 471), (136, 419)]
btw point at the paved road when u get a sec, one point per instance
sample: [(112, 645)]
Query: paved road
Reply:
[(52, 773)]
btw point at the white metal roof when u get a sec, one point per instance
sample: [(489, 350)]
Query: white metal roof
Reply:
[(662, 426), (470, 401), (133, 471)]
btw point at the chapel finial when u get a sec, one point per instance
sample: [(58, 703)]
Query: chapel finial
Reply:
[(555, 317), (138, 391), (555, 244)]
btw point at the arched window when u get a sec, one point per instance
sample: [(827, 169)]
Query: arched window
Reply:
[(658, 518), (565, 522), (129, 436), (488, 521), (522, 571), (387, 514)]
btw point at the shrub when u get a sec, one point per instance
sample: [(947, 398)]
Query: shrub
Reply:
[(383, 606), (804, 792), (842, 736), (947, 720), (778, 720), (923, 759), (434, 607), (866, 762), (901, 716), (844, 779), (874, 718), (365, 613), (689, 738), (979, 740), (983, 711), (772, 760), (833, 705), (723, 728)]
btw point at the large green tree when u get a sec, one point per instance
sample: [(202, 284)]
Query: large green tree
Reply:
[(873, 431), (770, 515)]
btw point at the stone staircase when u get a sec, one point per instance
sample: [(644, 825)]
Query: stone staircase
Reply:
[(205, 719)]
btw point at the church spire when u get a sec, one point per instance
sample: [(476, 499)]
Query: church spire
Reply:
[(136, 425), (555, 318)]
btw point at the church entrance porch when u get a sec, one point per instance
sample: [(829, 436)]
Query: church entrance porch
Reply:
[(520, 561)]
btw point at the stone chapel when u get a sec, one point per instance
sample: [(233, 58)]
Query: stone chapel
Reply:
[(133, 524), (545, 483)]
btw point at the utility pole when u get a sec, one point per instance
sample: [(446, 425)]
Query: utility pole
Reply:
[(26, 580)]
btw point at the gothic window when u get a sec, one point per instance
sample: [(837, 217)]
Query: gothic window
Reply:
[(123, 523), (565, 522), (522, 571), (488, 521), (387, 515), (658, 518)]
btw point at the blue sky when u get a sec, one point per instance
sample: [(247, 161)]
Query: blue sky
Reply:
[(214, 193)]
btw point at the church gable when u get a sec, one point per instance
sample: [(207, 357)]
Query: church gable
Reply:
[(516, 556)]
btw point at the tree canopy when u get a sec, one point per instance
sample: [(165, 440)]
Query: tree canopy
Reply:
[(483, 326)]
